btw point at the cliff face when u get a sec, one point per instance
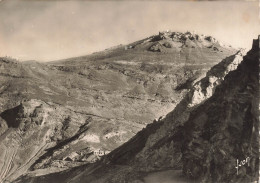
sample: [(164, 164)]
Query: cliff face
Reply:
[(212, 135), (223, 132), (54, 115)]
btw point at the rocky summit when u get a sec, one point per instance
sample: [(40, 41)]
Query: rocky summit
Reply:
[(116, 115)]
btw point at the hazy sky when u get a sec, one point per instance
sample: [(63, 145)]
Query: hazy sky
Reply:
[(50, 30)]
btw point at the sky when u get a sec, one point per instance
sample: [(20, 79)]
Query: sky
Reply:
[(52, 30)]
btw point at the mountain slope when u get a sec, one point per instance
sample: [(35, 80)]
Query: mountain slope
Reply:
[(204, 137), (55, 115)]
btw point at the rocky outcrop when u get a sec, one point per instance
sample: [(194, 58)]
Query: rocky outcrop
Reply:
[(168, 42), (204, 89)]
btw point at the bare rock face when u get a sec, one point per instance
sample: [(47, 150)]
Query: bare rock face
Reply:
[(224, 147), (214, 141), (170, 42), (55, 116), (204, 89)]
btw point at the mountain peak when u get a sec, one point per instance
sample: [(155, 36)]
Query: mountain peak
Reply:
[(183, 36), (177, 42)]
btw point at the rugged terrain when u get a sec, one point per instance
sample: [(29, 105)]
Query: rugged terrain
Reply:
[(54, 115), (212, 131)]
